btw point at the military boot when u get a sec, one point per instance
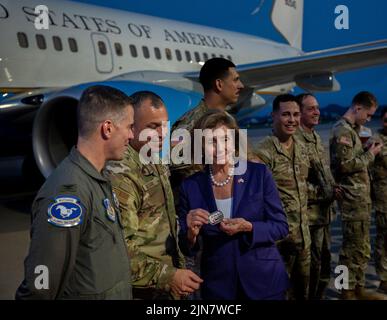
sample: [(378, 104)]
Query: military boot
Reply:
[(363, 294), (383, 287), (347, 295)]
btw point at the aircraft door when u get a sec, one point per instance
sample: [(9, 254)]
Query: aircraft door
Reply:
[(102, 53)]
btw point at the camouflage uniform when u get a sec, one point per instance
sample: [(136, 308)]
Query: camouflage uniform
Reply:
[(290, 171), (187, 121), (150, 225), (349, 163), (320, 196), (379, 174)]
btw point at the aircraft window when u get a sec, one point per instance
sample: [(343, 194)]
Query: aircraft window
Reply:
[(213, 55), (118, 48), (73, 45), (57, 43), (205, 56), (133, 50), (23, 40), (178, 55), (188, 56), (145, 52), (197, 56), (168, 53), (229, 58), (41, 42), (102, 48), (221, 55), (157, 53)]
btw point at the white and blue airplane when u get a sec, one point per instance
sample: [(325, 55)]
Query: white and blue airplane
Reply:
[(80, 44)]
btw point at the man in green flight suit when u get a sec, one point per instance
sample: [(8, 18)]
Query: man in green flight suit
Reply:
[(349, 164), (379, 183), (77, 248), (148, 212), (288, 160)]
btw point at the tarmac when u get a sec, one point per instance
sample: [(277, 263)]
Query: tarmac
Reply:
[(16, 196)]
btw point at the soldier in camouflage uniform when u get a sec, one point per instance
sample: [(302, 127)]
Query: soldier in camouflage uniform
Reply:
[(287, 158), (349, 163), (222, 86), (379, 184), (321, 193), (148, 212)]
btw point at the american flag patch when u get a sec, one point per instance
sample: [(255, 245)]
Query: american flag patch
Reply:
[(344, 140)]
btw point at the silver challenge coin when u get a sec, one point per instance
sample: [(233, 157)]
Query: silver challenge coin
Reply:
[(215, 217)]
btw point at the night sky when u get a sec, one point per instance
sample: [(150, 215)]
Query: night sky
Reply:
[(367, 22)]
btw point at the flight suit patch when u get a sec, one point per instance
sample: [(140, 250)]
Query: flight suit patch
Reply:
[(66, 211)]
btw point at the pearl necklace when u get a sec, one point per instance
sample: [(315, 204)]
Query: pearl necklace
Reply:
[(222, 183)]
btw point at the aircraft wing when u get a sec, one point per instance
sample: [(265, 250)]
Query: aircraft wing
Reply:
[(313, 70)]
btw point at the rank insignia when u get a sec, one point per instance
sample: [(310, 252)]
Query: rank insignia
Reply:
[(115, 199)]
